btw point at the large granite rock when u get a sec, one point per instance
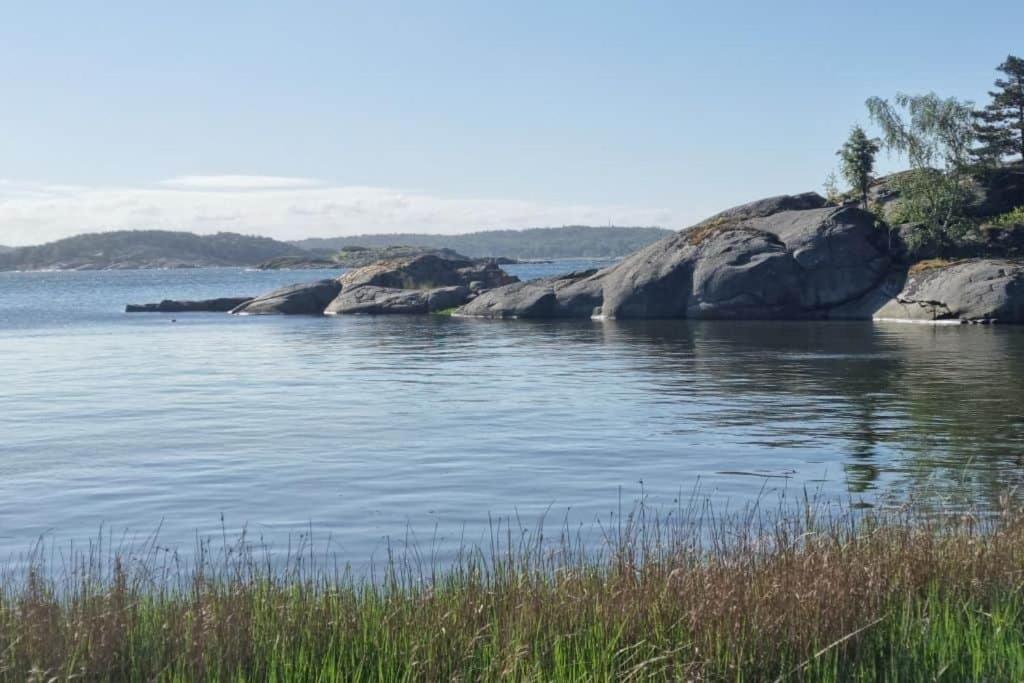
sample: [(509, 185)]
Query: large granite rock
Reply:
[(428, 271), (768, 207), (997, 190), (419, 284), (371, 299), (973, 290), (202, 306), (782, 257), (576, 295), (302, 299), (357, 257)]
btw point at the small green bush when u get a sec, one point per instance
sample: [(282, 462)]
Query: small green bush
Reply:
[(935, 201), (1014, 217)]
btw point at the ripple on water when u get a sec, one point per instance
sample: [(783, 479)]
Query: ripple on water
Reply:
[(363, 428)]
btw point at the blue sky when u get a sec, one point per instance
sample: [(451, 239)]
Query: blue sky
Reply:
[(320, 118)]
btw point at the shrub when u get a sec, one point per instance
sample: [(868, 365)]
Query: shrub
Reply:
[(936, 202), (1008, 219)]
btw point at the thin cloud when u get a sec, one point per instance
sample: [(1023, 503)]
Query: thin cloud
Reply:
[(31, 213), (239, 182)]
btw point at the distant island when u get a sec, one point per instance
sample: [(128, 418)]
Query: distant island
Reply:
[(131, 249), (571, 241)]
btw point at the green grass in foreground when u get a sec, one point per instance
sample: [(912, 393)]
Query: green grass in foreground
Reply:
[(883, 598)]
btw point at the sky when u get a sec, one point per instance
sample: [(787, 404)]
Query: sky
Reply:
[(305, 119)]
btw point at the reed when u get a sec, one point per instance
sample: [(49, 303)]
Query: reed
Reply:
[(791, 595)]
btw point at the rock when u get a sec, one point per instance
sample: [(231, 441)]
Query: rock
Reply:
[(302, 299), (299, 263), (489, 273), (1005, 240), (419, 284), (973, 290), (372, 299), (769, 206), (207, 305), (357, 257), (782, 257), (997, 191), (427, 272), (576, 295), (865, 307), (791, 264)]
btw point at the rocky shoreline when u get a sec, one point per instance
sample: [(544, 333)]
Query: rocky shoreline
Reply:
[(792, 257)]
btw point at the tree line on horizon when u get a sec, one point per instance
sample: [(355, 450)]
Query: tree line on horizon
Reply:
[(157, 248), (570, 241)]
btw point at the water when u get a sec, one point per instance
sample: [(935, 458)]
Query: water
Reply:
[(365, 428)]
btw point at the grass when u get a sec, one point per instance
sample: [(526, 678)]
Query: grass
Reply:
[(897, 596), (700, 234), (930, 264), (1009, 219)]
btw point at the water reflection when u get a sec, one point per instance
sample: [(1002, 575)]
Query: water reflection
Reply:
[(941, 407), (911, 410), (362, 426)]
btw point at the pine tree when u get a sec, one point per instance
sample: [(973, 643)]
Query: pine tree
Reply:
[(857, 161), (999, 127)]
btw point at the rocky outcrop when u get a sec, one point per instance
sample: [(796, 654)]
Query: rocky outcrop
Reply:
[(788, 257), (370, 299), (357, 257), (576, 295), (973, 290), (783, 257), (421, 284), (428, 272), (203, 306), (997, 191), (303, 299), (767, 207), (299, 263)]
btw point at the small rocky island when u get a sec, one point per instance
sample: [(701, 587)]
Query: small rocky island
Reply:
[(420, 284)]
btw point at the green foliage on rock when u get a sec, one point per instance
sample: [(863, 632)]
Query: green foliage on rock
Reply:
[(831, 187), (936, 136), (936, 202), (1010, 218)]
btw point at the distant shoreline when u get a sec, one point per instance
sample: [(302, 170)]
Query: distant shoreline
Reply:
[(169, 250)]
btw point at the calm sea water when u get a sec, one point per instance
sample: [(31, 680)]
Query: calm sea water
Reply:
[(365, 428)]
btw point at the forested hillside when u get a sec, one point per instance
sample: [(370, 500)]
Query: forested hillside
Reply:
[(145, 249), (534, 243)]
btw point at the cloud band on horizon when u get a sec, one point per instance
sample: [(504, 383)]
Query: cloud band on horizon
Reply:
[(281, 207)]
